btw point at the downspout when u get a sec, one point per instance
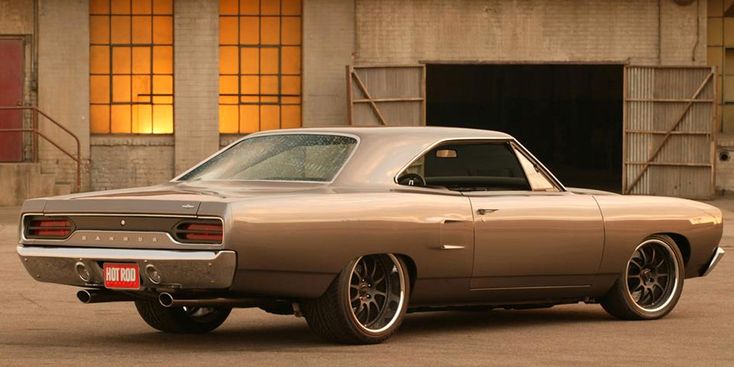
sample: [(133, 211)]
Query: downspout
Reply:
[(698, 30), (660, 32)]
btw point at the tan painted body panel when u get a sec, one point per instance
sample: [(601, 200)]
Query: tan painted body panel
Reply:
[(558, 234), (293, 238)]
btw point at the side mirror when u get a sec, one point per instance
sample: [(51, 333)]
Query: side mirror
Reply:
[(446, 153)]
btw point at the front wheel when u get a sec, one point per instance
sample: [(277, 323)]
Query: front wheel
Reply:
[(181, 320), (651, 284), (365, 304)]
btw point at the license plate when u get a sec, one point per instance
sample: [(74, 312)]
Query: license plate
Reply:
[(121, 276)]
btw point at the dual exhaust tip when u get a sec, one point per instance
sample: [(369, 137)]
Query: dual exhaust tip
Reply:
[(165, 299), (103, 296)]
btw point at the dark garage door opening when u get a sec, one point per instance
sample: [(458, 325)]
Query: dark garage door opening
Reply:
[(569, 116)]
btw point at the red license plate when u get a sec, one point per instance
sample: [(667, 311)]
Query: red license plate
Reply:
[(121, 276)]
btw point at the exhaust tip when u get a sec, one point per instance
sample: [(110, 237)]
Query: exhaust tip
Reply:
[(84, 296), (165, 299)]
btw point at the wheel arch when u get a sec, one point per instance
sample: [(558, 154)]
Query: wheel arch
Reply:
[(683, 245), (412, 268)]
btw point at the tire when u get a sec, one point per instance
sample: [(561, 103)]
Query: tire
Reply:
[(365, 304), (651, 284), (181, 320)]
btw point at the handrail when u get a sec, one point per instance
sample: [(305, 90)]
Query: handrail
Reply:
[(36, 131)]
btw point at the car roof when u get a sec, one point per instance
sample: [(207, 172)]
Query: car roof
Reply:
[(426, 132), (383, 152)]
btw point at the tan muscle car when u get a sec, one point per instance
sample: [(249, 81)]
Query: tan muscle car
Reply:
[(353, 227)]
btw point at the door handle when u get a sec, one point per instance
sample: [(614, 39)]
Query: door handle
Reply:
[(451, 247), (486, 211)]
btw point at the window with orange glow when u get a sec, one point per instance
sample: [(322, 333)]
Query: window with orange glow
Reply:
[(259, 65), (131, 66)]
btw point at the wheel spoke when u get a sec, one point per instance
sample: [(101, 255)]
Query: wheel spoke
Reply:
[(643, 256), (645, 295), (374, 269), (652, 256), (375, 282), (637, 287), (382, 294), (634, 261)]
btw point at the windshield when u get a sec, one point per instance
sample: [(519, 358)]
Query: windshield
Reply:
[(281, 157)]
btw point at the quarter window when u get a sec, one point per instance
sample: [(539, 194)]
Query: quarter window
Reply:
[(538, 180)]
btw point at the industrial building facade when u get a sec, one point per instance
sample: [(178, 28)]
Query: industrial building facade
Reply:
[(630, 95)]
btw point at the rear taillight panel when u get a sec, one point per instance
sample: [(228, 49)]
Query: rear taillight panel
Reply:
[(198, 231), (45, 227)]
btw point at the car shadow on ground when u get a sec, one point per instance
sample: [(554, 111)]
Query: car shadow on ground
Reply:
[(297, 335)]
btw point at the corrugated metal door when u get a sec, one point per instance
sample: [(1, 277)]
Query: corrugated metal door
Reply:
[(386, 95), (11, 94), (669, 131)]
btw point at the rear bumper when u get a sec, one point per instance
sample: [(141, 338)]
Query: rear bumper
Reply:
[(713, 262), (177, 269)]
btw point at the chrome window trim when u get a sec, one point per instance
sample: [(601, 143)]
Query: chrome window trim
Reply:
[(519, 149), (279, 132)]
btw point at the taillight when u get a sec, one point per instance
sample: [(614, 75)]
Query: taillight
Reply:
[(199, 231), (49, 227)]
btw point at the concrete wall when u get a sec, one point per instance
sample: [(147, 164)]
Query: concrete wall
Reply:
[(16, 17), (196, 104), (63, 82), (409, 31), (328, 43)]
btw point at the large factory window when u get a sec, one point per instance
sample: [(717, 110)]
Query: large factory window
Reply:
[(259, 65), (131, 66)]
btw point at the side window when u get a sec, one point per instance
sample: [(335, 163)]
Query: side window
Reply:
[(538, 181), (468, 167)]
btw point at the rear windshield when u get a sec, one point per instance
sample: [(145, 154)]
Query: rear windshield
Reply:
[(280, 157)]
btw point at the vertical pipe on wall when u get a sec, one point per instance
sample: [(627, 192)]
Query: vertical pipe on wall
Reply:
[(660, 31)]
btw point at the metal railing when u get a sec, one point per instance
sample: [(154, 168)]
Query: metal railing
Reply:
[(37, 132)]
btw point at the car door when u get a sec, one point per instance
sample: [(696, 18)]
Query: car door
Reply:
[(528, 232)]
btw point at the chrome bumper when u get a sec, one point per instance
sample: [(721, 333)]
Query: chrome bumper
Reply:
[(714, 260), (177, 269)]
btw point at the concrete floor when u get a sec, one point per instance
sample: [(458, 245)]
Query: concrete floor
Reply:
[(43, 324)]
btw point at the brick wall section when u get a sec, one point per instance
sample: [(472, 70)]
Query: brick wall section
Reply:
[(328, 28), (63, 80), (196, 52), (408, 31), (133, 161)]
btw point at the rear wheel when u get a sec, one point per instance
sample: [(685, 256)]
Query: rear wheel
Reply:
[(365, 304), (651, 284), (191, 320)]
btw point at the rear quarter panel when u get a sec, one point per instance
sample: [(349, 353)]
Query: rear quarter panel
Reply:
[(630, 219), (294, 245)]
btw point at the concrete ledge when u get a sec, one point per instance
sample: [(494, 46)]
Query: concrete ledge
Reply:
[(131, 140)]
